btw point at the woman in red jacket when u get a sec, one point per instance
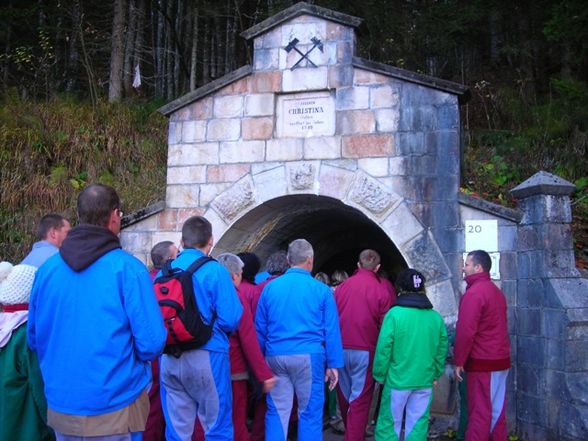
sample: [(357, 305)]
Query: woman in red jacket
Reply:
[(244, 354)]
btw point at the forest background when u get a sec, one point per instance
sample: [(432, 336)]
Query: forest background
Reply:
[(70, 114)]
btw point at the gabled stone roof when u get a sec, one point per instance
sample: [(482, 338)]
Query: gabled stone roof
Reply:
[(142, 213), (460, 90), (207, 89), (297, 10), (511, 214)]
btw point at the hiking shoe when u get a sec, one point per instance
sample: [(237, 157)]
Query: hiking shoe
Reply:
[(337, 426)]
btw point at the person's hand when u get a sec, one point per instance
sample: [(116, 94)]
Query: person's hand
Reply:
[(458, 371), (269, 384), (332, 376)]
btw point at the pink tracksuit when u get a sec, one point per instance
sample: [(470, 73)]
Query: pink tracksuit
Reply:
[(362, 301), (482, 347)]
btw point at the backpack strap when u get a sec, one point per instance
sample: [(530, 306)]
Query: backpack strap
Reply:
[(193, 268), (167, 269), (198, 263)]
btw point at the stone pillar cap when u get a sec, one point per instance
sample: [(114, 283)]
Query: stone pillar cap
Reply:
[(543, 183)]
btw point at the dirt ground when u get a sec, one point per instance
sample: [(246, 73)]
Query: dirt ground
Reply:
[(329, 435)]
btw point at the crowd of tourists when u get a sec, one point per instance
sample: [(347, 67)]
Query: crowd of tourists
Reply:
[(89, 352)]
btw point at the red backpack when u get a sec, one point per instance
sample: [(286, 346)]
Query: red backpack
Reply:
[(174, 291)]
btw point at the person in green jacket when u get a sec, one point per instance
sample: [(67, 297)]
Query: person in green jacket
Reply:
[(23, 408), (410, 356)]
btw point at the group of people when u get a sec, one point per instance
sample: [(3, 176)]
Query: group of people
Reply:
[(81, 341)]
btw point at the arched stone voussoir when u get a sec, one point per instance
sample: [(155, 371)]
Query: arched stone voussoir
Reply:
[(371, 196), (303, 177), (423, 254), (334, 181), (269, 184), (219, 226), (245, 195), (442, 296), (402, 225), (232, 202)]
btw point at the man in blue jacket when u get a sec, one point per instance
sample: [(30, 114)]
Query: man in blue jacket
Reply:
[(298, 330), (198, 382), (51, 232), (95, 325)]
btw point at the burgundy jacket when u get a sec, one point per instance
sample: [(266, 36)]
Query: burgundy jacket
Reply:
[(244, 349), (362, 302), (481, 335), (249, 292), (256, 294)]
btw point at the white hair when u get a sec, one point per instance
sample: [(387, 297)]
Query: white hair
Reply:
[(299, 250), (231, 262)]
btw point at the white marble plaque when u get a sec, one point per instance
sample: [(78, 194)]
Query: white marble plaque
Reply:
[(304, 115), (481, 235)]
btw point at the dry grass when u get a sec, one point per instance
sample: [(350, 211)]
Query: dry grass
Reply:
[(50, 150)]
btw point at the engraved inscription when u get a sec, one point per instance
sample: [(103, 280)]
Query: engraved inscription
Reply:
[(304, 115)]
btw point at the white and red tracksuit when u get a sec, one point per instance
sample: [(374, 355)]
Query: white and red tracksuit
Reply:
[(482, 347), (252, 293), (362, 302), (244, 355)]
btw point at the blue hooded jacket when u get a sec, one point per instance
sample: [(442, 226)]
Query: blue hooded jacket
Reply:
[(95, 324)]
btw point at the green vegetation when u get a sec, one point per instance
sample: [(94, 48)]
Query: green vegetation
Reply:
[(525, 64), (523, 135), (49, 150)]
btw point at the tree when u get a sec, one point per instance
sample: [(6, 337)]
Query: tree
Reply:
[(47, 47), (117, 53)]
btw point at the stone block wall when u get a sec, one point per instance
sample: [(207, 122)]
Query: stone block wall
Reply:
[(403, 134), (547, 310), (552, 316), (394, 156)]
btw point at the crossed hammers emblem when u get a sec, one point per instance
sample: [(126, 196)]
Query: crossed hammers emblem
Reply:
[(304, 56)]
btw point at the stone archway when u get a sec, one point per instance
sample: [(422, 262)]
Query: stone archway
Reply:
[(328, 203), (338, 232)]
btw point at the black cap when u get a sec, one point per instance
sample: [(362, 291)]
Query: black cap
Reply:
[(410, 280)]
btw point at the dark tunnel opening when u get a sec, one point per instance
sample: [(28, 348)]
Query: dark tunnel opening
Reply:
[(337, 232)]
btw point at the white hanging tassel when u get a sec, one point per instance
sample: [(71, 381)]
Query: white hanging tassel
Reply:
[(137, 79)]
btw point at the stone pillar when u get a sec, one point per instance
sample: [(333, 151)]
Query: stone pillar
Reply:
[(551, 374)]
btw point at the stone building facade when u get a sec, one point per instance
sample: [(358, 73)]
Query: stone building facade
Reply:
[(311, 141)]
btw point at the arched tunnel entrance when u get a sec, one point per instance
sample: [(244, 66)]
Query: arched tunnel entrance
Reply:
[(337, 232)]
